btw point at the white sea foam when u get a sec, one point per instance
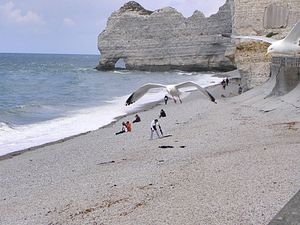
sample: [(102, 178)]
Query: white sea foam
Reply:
[(121, 71), (82, 121), (23, 137)]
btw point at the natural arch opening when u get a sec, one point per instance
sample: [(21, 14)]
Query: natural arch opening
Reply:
[(120, 64)]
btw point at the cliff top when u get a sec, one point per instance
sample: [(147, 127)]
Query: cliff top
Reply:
[(134, 6)]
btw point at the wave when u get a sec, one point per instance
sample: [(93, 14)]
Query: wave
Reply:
[(187, 73), (84, 69), (122, 71), (5, 127), (76, 122)]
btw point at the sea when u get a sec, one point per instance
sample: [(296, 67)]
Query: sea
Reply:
[(48, 97)]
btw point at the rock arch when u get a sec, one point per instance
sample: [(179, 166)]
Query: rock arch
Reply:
[(120, 64)]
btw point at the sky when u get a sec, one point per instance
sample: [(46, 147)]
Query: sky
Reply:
[(71, 26)]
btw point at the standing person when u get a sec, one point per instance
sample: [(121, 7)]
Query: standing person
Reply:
[(223, 84), (162, 113), (124, 129), (128, 126), (240, 89), (153, 126), (227, 81), (166, 98), (161, 132), (137, 119)]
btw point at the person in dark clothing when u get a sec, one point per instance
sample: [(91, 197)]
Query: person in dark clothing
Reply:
[(240, 89), (166, 98), (227, 81), (162, 113), (223, 83), (124, 129), (137, 119)]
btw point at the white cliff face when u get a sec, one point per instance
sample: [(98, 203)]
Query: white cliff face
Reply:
[(164, 39)]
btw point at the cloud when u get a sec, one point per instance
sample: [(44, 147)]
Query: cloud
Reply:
[(68, 22), (15, 15)]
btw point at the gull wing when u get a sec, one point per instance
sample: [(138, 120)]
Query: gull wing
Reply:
[(294, 35), (141, 91), (192, 84), (255, 38)]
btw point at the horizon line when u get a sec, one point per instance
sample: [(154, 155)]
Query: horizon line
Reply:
[(49, 53)]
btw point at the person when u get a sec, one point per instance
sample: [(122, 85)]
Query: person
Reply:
[(227, 81), (223, 84), (128, 126), (137, 119), (162, 113), (124, 129), (154, 124), (240, 89), (166, 98)]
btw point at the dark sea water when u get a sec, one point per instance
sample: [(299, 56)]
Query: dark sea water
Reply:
[(47, 97)]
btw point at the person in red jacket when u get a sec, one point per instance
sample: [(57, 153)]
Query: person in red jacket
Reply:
[(128, 126)]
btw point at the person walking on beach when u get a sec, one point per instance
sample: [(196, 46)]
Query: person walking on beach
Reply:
[(162, 113), (137, 119), (223, 84), (153, 126), (227, 81), (240, 89), (128, 126), (166, 98), (124, 129)]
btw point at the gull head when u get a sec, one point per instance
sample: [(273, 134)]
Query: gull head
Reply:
[(271, 49)]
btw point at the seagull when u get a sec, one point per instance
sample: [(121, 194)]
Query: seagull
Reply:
[(289, 45), (173, 90)]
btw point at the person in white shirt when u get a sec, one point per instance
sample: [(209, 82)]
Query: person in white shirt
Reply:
[(154, 125)]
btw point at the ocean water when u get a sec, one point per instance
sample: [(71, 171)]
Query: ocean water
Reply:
[(47, 97)]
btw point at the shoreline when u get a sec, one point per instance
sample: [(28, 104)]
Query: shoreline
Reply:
[(233, 75), (222, 164), (117, 119)]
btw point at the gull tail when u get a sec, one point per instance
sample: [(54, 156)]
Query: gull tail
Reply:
[(129, 101)]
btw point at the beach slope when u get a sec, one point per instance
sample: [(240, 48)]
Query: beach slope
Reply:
[(235, 162)]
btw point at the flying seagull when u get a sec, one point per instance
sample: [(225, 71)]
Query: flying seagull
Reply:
[(289, 45), (173, 90)]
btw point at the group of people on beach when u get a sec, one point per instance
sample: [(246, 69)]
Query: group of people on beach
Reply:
[(154, 125), (225, 83), (126, 127)]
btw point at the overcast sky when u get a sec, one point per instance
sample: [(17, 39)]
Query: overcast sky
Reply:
[(71, 26)]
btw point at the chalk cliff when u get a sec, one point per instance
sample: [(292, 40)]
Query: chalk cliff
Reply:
[(164, 39)]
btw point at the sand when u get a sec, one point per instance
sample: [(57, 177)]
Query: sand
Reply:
[(235, 162)]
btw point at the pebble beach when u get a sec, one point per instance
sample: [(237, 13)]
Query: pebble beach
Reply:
[(234, 162)]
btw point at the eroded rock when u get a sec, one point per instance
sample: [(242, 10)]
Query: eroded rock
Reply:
[(166, 40)]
